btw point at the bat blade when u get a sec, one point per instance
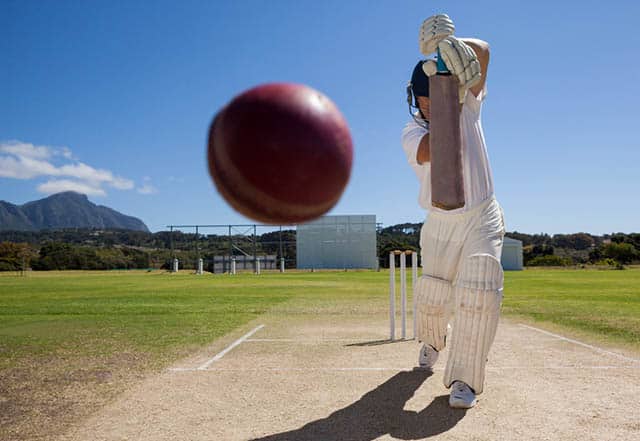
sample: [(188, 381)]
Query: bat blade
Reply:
[(447, 183)]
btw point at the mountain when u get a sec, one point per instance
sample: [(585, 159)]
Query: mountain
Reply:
[(64, 210)]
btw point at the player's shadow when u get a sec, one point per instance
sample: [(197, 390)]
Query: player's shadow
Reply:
[(375, 342), (380, 412)]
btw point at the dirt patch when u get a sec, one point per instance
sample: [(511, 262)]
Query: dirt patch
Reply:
[(40, 399)]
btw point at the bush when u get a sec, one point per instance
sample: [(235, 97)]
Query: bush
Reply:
[(606, 262), (530, 252), (550, 260)]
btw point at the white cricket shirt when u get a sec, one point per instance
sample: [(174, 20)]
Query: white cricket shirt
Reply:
[(478, 181)]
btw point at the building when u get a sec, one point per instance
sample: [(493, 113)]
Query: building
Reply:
[(337, 242), (511, 254)]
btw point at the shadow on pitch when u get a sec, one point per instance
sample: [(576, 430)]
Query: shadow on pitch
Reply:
[(380, 412), (376, 342)]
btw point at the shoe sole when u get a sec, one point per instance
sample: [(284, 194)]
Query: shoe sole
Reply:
[(462, 405)]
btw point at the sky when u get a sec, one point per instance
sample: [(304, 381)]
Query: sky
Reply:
[(114, 99)]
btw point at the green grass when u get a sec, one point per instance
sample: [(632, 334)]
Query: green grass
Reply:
[(159, 314), (603, 304), (97, 313)]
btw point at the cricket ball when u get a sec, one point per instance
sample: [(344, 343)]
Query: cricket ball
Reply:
[(280, 153)]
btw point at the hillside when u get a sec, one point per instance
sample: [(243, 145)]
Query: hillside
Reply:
[(64, 210)]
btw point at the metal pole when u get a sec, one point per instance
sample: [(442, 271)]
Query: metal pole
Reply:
[(280, 245), (255, 250), (257, 266), (414, 283), (403, 293), (197, 249), (173, 254), (230, 251), (392, 296)]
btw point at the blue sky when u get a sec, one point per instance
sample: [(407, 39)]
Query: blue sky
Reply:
[(115, 98)]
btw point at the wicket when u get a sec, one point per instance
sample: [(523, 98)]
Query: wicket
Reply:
[(403, 290)]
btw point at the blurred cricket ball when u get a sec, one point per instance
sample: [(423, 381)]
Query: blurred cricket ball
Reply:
[(280, 153)]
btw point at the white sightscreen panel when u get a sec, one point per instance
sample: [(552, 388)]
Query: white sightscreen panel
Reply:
[(337, 242), (511, 256)]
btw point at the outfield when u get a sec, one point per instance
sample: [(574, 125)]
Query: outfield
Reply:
[(70, 341)]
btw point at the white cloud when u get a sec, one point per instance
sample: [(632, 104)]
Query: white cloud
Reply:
[(66, 152), (121, 183), (24, 149), (85, 172), (24, 167), (59, 185), (147, 188), (20, 160)]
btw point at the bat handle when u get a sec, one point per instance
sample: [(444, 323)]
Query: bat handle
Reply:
[(442, 68)]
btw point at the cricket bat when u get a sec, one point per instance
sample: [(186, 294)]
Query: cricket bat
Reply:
[(447, 184)]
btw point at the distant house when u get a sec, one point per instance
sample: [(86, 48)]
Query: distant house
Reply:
[(511, 254)]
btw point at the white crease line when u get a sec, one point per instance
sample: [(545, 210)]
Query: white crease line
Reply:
[(222, 353), (594, 348), (397, 369), (277, 369), (559, 368), (304, 340)]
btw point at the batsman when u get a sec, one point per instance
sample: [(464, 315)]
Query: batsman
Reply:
[(459, 293)]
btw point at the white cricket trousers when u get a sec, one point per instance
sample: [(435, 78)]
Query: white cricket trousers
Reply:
[(459, 293)]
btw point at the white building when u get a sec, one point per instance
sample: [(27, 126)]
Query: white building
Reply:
[(511, 254)]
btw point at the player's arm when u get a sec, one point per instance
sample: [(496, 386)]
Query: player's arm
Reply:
[(415, 143), (481, 49), (423, 154)]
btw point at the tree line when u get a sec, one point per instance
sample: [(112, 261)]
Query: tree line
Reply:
[(126, 249), (89, 249), (542, 249)]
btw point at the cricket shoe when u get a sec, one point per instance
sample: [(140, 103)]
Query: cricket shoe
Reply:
[(428, 356), (462, 396)]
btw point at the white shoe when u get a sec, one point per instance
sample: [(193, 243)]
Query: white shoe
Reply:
[(462, 396), (428, 356)]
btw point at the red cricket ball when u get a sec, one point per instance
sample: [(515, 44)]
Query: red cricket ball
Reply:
[(280, 153)]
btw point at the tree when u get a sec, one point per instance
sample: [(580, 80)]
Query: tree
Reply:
[(621, 252), (15, 256), (578, 241)]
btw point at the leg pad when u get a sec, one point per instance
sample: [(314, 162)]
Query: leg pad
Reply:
[(433, 297), (478, 295)]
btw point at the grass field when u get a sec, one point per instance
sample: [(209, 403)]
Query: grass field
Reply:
[(602, 304), (70, 341)]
